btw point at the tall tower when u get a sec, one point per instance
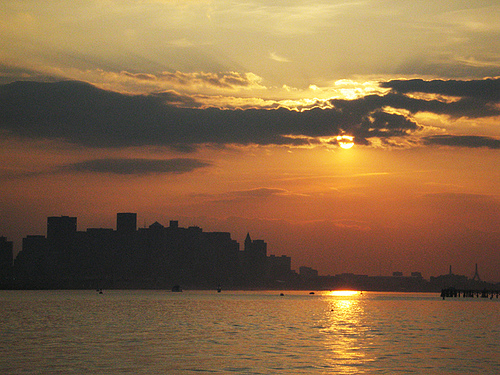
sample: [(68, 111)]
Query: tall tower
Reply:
[(248, 243), (126, 222), (254, 260), (476, 275)]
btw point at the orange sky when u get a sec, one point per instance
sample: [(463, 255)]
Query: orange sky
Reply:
[(226, 115)]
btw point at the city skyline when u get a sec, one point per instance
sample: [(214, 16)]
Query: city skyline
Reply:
[(62, 232), (359, 136)]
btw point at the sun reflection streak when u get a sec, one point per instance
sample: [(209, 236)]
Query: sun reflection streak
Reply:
[(345, 331)]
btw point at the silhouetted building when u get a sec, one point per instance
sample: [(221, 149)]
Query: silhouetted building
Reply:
[(6, 258), (279, 268), (126, 222), (187, 256), (254, 261), (31, 264), (61, 228)]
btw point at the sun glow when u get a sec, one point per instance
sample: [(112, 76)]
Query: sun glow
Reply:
[(345, 141), (344, 293)]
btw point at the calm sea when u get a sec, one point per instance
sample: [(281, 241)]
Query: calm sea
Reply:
[(159, 332)]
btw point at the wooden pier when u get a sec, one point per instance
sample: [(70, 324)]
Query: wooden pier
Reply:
[(469, 293)]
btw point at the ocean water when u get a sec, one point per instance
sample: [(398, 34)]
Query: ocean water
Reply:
[(193, 332)]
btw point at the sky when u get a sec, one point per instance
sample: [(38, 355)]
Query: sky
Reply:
[(227, 115)]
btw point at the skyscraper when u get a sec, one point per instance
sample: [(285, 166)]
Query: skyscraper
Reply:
[(6, 257), (126, 222), (61, 228)]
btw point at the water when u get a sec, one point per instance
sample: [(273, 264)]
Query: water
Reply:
[(158, 332)]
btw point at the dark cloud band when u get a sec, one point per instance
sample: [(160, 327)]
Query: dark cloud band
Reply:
[(470, 141), (83, 114), (486, 89)]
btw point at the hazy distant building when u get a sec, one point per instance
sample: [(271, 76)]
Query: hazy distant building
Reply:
[(449, 280), (279, 267), (307, 273)]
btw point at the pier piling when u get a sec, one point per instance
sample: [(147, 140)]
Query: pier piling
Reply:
[(469, 293)]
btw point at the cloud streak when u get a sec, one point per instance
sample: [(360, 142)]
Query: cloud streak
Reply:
[(137, 166), (227, 80)]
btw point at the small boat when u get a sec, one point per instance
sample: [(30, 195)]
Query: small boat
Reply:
[(176, 288)]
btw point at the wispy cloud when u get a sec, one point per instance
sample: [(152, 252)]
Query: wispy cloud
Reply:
[(136, 166), (257, 194), (274, 56), (227, 80)]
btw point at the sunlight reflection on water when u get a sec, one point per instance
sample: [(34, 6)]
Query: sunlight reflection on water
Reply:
[(140, 332)]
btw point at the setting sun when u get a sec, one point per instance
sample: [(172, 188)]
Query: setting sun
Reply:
[(344, 293), (345, 141)]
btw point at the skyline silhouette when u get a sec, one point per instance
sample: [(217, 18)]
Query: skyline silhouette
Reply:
[(160, 257)]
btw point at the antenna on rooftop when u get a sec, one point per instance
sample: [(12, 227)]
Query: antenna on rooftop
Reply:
[(476, 275)]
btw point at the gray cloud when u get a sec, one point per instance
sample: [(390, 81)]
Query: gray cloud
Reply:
[(137, 166), (476, 98), (471, 141), (486, 89), (82, 114), (10, 73)]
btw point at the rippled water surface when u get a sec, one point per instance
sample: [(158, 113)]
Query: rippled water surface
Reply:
[(158, 332)]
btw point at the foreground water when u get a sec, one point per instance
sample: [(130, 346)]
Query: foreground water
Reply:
[(158, 332)]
